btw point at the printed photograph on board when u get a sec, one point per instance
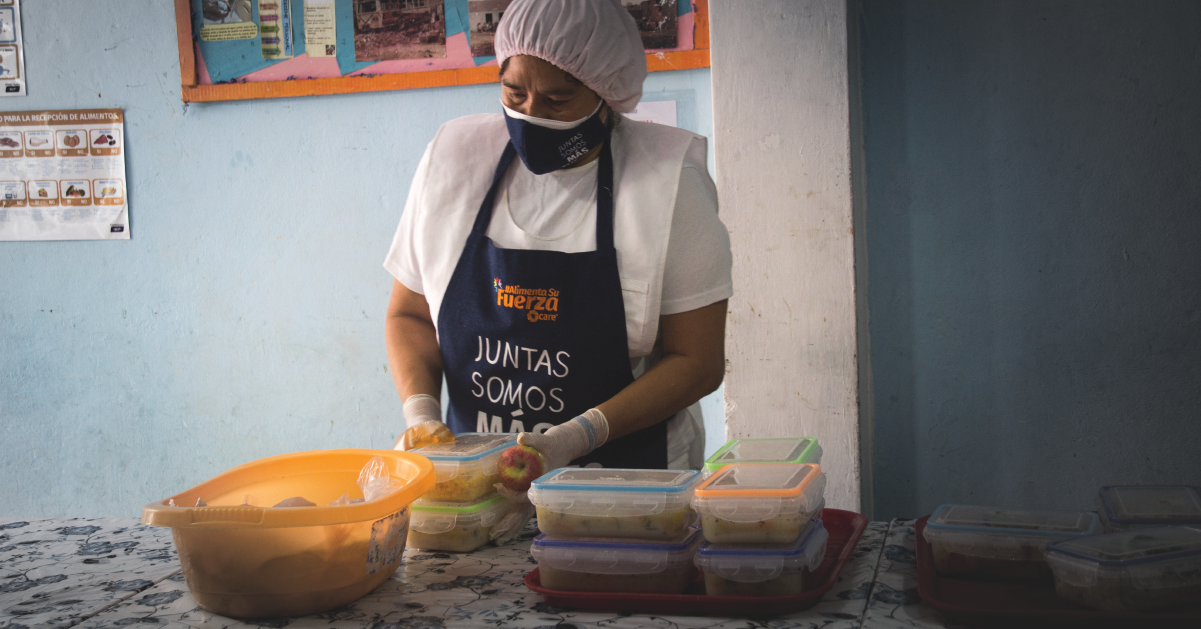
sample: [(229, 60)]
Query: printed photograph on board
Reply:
[(656, 21), (483, 16), (226, 11), (399, 29)]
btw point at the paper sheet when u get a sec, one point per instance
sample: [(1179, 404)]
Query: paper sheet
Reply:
[(320, 28), (12, 49), (660, 112), (62, 175)]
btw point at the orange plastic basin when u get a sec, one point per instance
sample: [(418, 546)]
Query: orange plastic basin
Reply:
[(259, 561)]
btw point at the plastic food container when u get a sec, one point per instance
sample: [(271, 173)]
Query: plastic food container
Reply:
[(466, 467), (788, 450), (605, 502), (616, 565), (759, 503), (1125, 507), (456, 526), (1139, 570), (1001, 543), (251, 561), (771, 570)]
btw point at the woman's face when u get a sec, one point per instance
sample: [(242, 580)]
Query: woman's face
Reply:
[(536, 88)]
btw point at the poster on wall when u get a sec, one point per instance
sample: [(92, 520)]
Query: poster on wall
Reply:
[(62, 175), (260, 41), (12, 49)]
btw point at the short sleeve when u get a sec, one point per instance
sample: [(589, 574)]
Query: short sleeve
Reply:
[(697, 272), (404, 258)]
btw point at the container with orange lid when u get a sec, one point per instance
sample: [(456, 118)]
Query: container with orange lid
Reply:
[(250, 561), (759, 504)]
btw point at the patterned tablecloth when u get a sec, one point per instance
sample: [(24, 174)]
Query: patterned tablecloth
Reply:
[(114, 572)]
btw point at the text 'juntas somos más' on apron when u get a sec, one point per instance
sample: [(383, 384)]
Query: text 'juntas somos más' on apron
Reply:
[(507, 392)]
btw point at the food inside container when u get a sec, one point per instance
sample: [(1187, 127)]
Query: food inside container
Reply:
[(1144, 569), (1001, 543), (456, 526), (250, 561), (622, 503), (795, 450), (759, 503), (616, 565), (466, 467), (1125, 507), (767, 570)]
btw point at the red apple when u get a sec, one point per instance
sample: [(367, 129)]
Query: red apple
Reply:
[(519, 466)]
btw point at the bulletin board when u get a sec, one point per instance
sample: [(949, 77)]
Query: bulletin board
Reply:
[(240, 49)]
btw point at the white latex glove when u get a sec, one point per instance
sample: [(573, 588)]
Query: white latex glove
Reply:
[(562, 444), (423, 415)]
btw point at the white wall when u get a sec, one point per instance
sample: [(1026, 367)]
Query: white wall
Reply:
[(783, 153)]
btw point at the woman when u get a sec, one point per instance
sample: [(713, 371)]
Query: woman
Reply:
[(563, 268)]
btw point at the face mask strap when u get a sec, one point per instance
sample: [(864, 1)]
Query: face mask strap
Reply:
[(547, 123)]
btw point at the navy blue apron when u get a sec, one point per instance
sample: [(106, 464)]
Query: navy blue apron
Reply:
[(531, 339)]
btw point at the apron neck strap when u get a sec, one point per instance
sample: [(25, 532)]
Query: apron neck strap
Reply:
[(604, 197)]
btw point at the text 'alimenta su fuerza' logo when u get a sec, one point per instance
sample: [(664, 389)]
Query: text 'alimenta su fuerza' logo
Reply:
[(540, 304)]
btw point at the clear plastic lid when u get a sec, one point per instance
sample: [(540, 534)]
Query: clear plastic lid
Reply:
[(468, 446), (753, 563), (432, 516), (1126, 505), (615, 556), (469, 453), (748, 493), (1032, 522), (613, 491), (786, 450), (1133, 547)]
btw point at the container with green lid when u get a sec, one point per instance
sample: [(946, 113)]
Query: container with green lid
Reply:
[(456, 526), (785, 450)]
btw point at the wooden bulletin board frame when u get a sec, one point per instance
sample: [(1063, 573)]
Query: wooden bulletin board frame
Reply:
[(193, 92)]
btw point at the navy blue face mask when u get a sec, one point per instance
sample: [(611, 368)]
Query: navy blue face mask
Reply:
[(548, 145)]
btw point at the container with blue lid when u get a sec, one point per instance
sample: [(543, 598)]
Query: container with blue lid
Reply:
[(763, 570), (1125, 507), (1142, 569), (775, 450), (467, 466), (608, 502), (616, 565), (1001, 543)]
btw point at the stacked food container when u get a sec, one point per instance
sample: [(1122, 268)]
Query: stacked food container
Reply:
[(1141, 550), (760, 512), (615, 530), (458, 513)]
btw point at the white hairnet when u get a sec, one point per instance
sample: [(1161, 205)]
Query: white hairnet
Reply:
[(596, 41)]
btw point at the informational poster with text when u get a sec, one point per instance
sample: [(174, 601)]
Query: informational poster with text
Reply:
[(12, 49), (62, 175)]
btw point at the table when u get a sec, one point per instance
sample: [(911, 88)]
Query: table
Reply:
[(105, 572)]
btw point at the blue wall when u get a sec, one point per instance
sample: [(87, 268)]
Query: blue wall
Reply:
[(244, 318), (1034, 249)]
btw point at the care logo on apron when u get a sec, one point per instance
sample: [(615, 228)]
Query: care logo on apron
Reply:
[(541, 304)]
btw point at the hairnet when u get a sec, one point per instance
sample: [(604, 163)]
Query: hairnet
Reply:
[(596, 41)]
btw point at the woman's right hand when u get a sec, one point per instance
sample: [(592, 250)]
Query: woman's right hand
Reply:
[(423, 414), (426, 433)]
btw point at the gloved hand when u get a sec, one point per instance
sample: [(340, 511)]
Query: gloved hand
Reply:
[(423, 414), (562, 444), (509, 526)]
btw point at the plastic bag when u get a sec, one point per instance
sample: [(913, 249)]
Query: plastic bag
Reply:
[(375, 481)]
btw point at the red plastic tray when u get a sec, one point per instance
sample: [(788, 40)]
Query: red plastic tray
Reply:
[(844, 527), (1025, 605)]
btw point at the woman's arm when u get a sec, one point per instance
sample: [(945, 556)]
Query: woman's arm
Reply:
[(412, 344), (693, 365)]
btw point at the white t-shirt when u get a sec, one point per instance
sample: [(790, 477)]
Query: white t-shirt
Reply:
[(557, 212)]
